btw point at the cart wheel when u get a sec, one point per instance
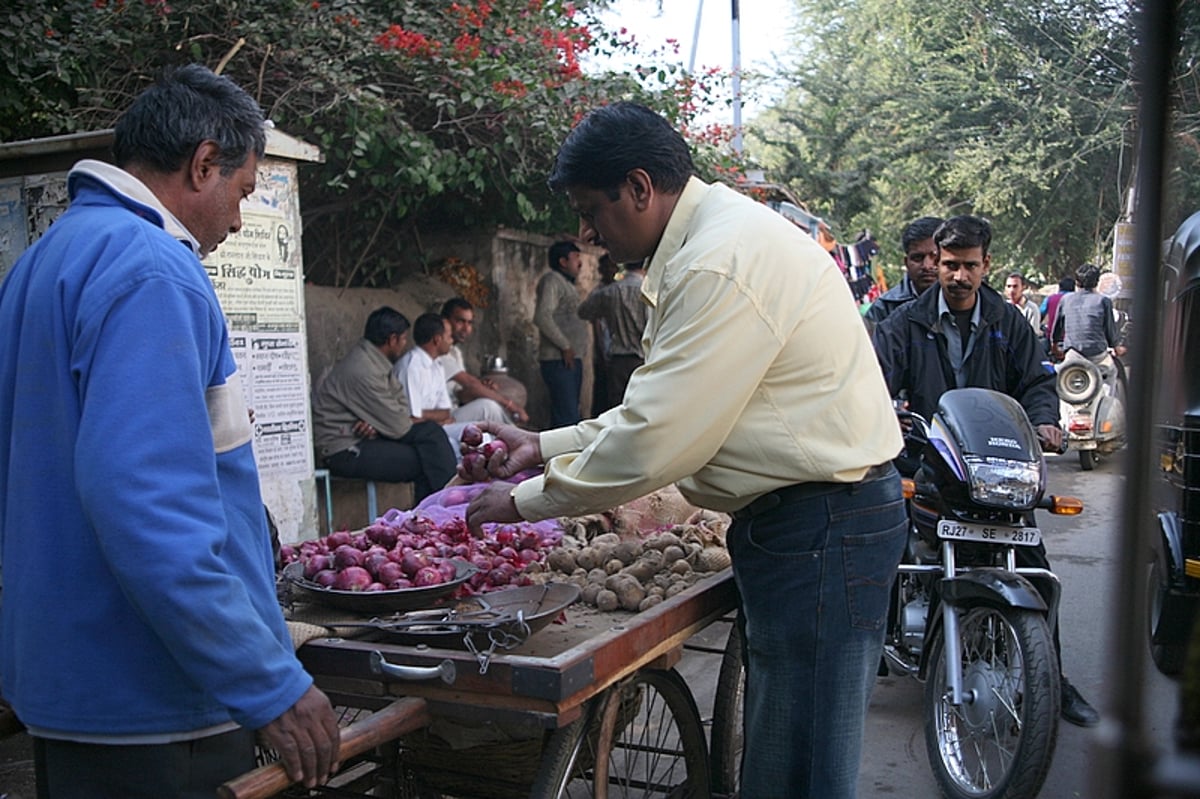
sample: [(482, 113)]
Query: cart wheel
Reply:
[(641, 738), (1088, 459), (727, 729)]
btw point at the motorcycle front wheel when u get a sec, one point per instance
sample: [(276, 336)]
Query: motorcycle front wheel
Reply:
[(999, 742)]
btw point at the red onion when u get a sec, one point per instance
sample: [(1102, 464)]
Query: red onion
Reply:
[(345, 556), (352, 578)]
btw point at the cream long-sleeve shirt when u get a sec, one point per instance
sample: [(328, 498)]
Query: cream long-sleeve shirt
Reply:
[(758, 374)]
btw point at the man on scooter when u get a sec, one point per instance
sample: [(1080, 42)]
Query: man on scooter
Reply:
[(964, 335), (1085, 320)]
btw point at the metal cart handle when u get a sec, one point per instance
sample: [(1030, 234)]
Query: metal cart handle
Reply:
[(445, 670), (401, 717)]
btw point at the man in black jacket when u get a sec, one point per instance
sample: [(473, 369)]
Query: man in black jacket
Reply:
[(964, 335)]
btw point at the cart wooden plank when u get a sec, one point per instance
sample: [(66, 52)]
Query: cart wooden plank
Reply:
[(553, 673)]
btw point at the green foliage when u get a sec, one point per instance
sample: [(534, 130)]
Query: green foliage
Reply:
[(1020, 112), (430, 113)]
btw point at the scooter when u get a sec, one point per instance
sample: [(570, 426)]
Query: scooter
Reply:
[(1091, 405), (965, 618)]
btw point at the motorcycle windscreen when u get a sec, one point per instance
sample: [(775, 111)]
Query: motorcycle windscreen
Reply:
[(988, 424)]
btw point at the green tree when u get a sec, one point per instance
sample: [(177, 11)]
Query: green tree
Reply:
[(1020, 112), (429, 113)]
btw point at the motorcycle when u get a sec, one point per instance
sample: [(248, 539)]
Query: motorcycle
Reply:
[(1091, 405), (965, 618)]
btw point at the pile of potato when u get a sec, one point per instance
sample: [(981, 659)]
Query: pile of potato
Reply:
[(634, 572)]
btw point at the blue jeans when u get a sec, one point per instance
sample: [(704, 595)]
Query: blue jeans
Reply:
[(563, 384), (814, 575)]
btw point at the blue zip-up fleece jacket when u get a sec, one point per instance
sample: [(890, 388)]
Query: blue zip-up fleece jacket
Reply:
[(138, 587), (1005, 357)]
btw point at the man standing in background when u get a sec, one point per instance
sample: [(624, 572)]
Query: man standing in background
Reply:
[(620, 305), (562, 334)]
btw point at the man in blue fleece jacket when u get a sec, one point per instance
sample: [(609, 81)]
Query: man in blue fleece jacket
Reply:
[(140, 638)]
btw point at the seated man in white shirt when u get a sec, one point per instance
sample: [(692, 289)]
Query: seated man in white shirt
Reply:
[(421, 375), (472, 399)]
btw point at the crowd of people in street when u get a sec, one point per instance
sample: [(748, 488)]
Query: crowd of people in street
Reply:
[(715, 379)]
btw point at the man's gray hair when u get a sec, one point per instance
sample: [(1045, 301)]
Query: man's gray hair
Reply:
[(186, 106)]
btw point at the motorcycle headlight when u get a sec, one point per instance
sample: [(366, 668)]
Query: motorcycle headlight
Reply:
[(1003, 483)]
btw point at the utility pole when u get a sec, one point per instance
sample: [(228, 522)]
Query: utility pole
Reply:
[(737, 80)]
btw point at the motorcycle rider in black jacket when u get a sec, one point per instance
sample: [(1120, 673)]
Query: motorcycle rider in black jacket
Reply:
[(962, 334)]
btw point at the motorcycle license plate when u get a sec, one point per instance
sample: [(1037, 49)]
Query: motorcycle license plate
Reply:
[(964, 531)]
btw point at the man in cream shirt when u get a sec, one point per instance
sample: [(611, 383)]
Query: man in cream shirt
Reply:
[(760, 396)]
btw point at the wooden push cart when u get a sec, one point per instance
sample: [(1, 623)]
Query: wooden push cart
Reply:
[(592, 706)]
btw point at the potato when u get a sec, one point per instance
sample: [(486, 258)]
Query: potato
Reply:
[(613, 566), (597, 575), (674, 589), (604, 554), (589, 592), (630, 594), (673, 553), (649, 602), (614, 581), (561, 560), (627, 551), (681, 566), (643, 569), (607, 600), (588, 558), (661, 541), (606, 540)]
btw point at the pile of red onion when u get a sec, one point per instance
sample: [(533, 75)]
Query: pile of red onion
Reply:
[(420, 547)]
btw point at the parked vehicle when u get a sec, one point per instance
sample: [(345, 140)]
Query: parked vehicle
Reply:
[(1091, 398), (1173, 579), (965, 618)]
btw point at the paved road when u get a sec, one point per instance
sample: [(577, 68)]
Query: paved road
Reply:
[(1083, 551)]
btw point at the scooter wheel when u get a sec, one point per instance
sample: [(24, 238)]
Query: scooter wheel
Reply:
[(1088, 458)]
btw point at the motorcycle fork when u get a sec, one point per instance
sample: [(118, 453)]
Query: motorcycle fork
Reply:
[(952, 645)]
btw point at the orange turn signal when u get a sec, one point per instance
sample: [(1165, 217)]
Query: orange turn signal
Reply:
[(1066, 506), (908, 486)]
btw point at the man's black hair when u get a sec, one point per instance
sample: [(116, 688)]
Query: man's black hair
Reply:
[(455, 304), (427, 326), (1066, 284), (382, 323), (1087, 276), (615, 139), (558, 251), (1024, 282), (919, 230), (964, 232)]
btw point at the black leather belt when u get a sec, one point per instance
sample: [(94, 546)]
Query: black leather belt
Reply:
[(802, 491)]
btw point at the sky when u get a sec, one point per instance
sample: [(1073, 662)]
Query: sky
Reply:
[(764, 27)]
